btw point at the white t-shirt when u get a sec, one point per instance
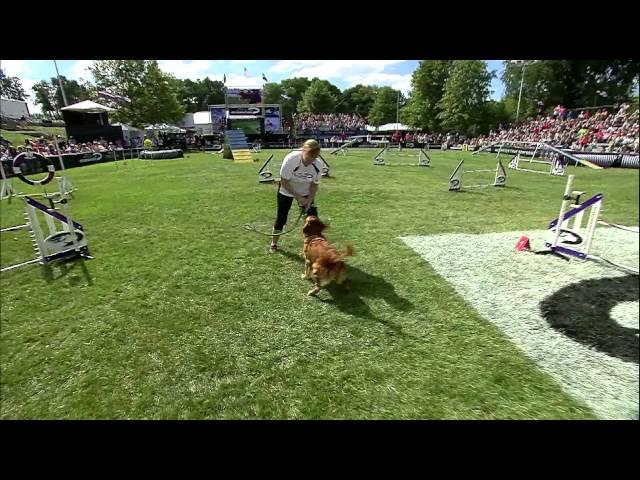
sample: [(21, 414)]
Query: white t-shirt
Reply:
[(299, 175)]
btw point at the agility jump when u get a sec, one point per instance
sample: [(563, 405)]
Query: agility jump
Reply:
[(567, 239), (343, 148), (539, 148), (556, 166), (455, 180), (60, 244), (23, 163), (423, 159)]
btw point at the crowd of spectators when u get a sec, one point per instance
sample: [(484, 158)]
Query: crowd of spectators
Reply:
[(602, 131), (48, 148), (328, 122)]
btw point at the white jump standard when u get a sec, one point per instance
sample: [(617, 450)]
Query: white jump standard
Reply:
[(65, 244), (455, 180), (556, 167), (570, 241), (69, 242), (6, 186), (423, 159)]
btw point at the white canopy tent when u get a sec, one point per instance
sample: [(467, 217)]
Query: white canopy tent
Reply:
[(164, 128), (202, 118), (87, 106), (392, 127)]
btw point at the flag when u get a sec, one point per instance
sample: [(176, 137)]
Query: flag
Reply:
[(246, 72), (114, 97), (224, 78), (264, 78)]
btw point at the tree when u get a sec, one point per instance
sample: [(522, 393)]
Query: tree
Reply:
[(213, 92), (539, 84), (292, 91), (465, 97), (44, 96), (72, 89), (272, 93), (159, 101), (320, 97), (573, 83), (11, 87), (197, 96), (385, 105), (154, 94), (358, 99), (427, 88), (494, 114)]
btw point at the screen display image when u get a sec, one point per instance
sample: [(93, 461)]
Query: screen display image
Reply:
[(271, 119), (217, 118), (249, 126), (244, 96)]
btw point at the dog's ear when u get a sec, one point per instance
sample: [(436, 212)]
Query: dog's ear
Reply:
[(320, 225), (313, 226)]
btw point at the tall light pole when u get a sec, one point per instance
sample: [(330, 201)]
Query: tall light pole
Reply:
[(64, 96), (524, 64)]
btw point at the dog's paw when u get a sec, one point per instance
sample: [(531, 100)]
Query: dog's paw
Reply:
[(312, 292), (304, 277)]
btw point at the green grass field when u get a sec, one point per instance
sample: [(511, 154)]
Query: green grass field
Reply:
[(183, 314), (17, 137)]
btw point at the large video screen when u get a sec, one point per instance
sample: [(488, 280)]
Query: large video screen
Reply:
[(217, 118), (244, 96), (250, 126), (272, 119)]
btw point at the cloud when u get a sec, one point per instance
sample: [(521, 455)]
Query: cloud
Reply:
[(16, 68), (367, 72), (80, 70), (198, 69), (236, 80), (393, 80), (21, 69), (332, 68), (192, 69)]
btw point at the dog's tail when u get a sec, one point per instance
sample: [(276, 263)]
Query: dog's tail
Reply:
[(348, 252)]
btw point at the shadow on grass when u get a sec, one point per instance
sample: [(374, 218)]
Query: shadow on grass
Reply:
[(348, 298), (486, 190), (56, 271)]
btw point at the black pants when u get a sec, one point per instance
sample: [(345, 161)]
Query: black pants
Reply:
[(284, 205)]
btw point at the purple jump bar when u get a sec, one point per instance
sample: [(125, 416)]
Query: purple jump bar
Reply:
[(53, 213), (595, 199)]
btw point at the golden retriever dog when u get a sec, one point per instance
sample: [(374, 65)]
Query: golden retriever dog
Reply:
[(322, 262)]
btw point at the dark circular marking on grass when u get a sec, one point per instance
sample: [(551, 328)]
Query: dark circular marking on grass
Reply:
[(582, 311)]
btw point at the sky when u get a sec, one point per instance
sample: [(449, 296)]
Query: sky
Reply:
[(342, 73)]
